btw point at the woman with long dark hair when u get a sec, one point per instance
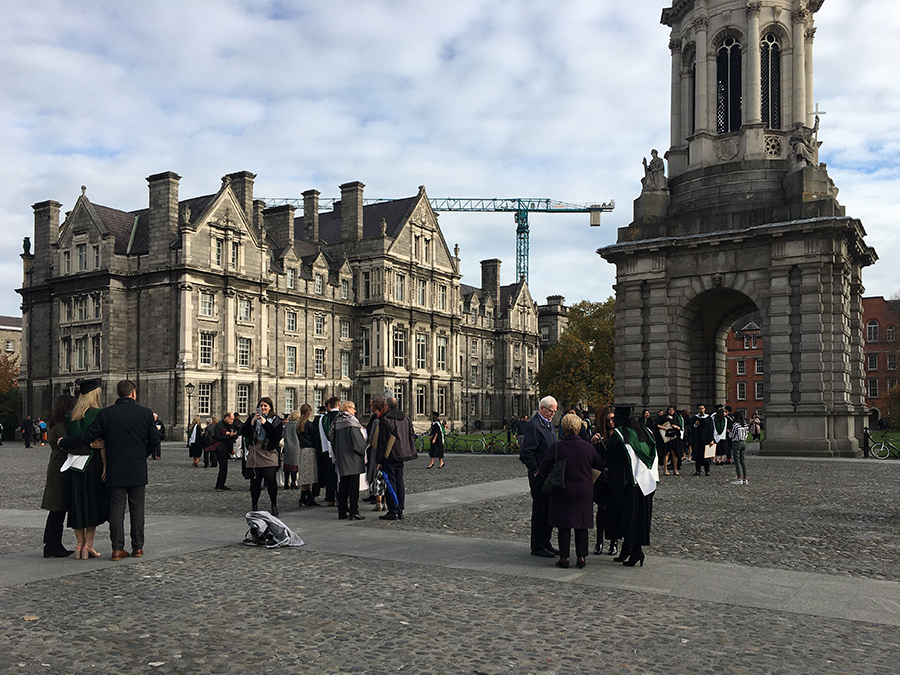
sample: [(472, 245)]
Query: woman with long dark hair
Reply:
[(57, 491), (605, 424), (262, 438)]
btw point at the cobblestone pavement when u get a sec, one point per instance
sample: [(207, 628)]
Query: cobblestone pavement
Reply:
[(236, 609)]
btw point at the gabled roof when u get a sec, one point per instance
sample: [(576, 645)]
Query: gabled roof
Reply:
[(508, 293), (118, 223), (11, 322), (393, 213)]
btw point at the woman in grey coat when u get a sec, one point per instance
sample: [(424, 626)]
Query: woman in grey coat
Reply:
[(348, 440), (291, 451)]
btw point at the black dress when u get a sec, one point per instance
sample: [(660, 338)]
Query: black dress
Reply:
[(629, 511), (89, 503), (436, 451)]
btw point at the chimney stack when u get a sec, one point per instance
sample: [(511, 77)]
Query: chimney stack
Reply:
[(46, 234), (163, 214), (242, 184), (311, 216), (490, 281), (352, 211), (279, 223)]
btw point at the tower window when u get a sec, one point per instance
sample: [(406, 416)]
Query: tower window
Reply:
[(770, 52), (728, 87)]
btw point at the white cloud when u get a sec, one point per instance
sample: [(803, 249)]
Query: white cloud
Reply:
[(473, 98)]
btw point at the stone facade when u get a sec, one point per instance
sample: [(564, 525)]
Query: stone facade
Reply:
[(11, 337), (741, 229), (244, 301)]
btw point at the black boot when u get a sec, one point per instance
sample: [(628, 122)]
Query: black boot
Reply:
[(626, 551), (274, 509), (304, 498), (598, 548), (637, 556)]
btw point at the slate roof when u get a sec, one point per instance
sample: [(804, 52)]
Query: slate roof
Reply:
[(11, 322), (393, 212), (118, 223)]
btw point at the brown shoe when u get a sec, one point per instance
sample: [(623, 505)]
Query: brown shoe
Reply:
[(119, 555), (137, 553)]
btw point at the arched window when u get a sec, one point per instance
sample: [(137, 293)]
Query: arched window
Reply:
[(693, 95), (728, 86), (872, 331), (770, 52)]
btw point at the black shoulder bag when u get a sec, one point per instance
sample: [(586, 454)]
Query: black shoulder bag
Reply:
[(556, 479)]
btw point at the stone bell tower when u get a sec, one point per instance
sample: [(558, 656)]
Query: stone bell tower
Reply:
[(747, 219)]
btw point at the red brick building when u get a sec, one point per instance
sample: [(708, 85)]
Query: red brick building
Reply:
[(881, 321), (744, 354)]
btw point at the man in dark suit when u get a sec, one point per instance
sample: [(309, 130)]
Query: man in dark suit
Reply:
[(129, 433), (538, 437)]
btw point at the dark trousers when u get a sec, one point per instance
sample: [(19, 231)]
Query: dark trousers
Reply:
[(134, 496), (348, 493), (564, 535), (327, 477), (53, 531), (210, 458), (268, 474), (540, 503), (393, 472), (223, 467)]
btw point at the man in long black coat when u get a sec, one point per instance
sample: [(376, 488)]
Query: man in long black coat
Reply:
[(129, 434)]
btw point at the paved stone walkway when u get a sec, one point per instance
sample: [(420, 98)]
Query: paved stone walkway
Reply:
[(439, 593)]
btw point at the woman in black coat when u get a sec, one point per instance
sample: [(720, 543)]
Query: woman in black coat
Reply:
[(573, 508)]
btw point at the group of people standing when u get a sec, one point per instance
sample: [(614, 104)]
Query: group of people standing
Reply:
[(615, 468)]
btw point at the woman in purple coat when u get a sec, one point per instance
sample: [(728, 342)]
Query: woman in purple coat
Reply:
[(573, 508)]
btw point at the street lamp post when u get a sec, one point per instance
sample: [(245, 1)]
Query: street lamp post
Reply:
[(189, 390)]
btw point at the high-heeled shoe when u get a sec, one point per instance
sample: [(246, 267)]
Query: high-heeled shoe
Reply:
[(90, 552), (613, 548), (79, 552), (598, 548), (563, 562), (581, 562), (634, 559), (625, 551)]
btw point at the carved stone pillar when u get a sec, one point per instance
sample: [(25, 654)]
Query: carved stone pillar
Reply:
[(799, 66), (701, 115), (676, 135), (808, 48), (754, 82)]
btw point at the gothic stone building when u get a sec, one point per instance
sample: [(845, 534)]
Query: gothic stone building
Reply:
[(244, 301)]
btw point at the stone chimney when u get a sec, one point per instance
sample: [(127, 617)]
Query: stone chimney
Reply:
[(279, 223), (46, 234), (311, 216), (490, 281), (242, 184), (352, 211), (163, 214)]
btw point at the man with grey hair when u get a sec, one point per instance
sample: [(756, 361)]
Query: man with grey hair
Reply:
[(396, 444), (536, 442)]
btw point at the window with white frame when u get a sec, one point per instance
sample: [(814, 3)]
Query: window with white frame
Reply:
[(95, 351), (442, 400), (889, 333), (207, 344), (81, 312), (422, 293), (441, 352), (243, 399), (345, 329), (487, 405), (96, 302), (741, 391), (345, 289), (516, 350), (319, 325), (741, 367), (235, 255), (243, 352), (204, 398), (872, 362), (245, 309), (290, 360), (291, 278), (489, 376), (872, 388), (474, 375), (319, 355), (319, 282), (66, 353), (290, 321), (427, 250), (399, 360), (421, 350), (746, 342), (891, 383), (892, 362), (399, 394), (489, 349), (207, 303), (758, 394), (399, 287), (318, 398), (366, 337), (442, 296), (96, 257), (290, 399), (345, 364), (759, 366), (872, 331), (416, 246), (545, 333), (474, 346), (10, 345), (219, 252), (366, 285), (66, 262), (81, 253), (420, 399)]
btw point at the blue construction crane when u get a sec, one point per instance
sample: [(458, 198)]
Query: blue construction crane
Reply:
[(521, 207)]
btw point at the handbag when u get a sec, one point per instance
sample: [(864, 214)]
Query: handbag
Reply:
[(556, 479)]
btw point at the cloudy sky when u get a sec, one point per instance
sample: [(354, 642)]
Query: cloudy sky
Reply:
[(472, 98)]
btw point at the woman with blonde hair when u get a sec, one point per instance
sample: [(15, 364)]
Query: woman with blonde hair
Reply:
[(89, 505), (307, 472), (291, 457), (195, 441)]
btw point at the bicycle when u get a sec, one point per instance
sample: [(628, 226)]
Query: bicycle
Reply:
[(420, 442), (884, 449), (454, 442)]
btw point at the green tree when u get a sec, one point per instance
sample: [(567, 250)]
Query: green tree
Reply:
[(579, 369), (9, 396), (892, 405)]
